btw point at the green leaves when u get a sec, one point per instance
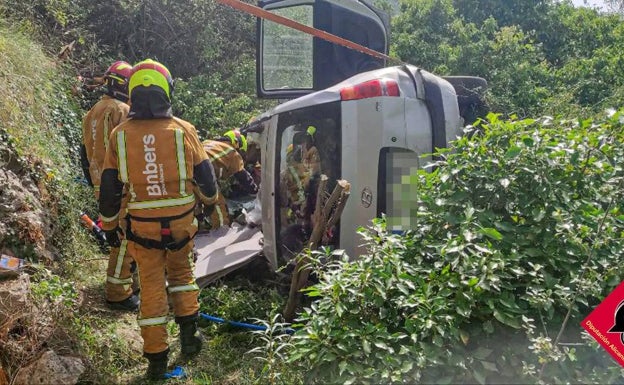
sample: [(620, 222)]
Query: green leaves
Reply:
[(456, 295), (506, 319), (491, 233), (513, 152), (201, 101), (539, 57)]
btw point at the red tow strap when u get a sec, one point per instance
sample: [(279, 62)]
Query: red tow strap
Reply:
[(259, 12)]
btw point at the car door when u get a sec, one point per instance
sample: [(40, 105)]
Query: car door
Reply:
[(291, 63)]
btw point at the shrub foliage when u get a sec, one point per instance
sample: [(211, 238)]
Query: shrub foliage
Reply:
[(517, 227)]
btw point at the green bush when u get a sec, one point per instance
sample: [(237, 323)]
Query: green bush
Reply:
[(535, 54), (215, 104), (519, 226)]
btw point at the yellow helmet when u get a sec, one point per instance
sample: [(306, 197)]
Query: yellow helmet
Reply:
[(237, 139), (150, 73)]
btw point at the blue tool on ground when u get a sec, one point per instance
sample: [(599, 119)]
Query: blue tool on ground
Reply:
[(177, 372), (240, 324)]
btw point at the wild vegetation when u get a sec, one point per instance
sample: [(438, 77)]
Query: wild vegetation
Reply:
[(517, 236), (39, 195), (518, 232), (535, 54)]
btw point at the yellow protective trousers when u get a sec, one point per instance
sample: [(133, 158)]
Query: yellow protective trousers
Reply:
[(164, 273), (118, 273), (220, 215)]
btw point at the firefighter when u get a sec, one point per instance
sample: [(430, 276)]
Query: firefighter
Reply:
[(228, 163), (293, 182), (97, 125), (309, 153), (252, 157), (165, 169), (302, 164)]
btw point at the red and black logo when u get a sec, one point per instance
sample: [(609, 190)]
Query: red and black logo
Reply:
[(606, 323), (618, 322)]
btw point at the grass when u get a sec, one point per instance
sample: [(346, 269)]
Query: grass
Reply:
[(225, 357), (111, 345), (41, 126), (29, 90)]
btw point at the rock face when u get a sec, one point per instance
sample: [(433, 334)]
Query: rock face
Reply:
[(20, 332), (13, 299), (29, 217), (23, 219), (51, 368)]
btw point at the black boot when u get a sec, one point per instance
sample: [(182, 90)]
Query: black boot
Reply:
[(189, 336), (157, 365), (129, 304)]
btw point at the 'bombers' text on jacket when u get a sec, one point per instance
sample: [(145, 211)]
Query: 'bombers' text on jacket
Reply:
[(163, 165)]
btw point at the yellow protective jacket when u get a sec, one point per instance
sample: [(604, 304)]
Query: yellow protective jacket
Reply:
[(97, 126), (227, 163), (163, 165), (312, 160), (294, 182), (225, 160)]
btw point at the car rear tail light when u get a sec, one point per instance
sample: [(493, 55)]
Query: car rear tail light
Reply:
[(371, 89)]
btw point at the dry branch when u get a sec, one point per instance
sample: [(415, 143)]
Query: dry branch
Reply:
[(326, 214)]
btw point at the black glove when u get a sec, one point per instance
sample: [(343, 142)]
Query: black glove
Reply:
[(112, 237), (208, 210)]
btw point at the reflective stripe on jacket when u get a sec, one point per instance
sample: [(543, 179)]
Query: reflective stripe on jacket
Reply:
[(162, 163), (225, 160), (97, 126)]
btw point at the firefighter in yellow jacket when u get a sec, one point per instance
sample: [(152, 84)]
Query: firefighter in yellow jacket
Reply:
[(310, 156), (302, 164), (165, 169), (228, 163), (97, 125)]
